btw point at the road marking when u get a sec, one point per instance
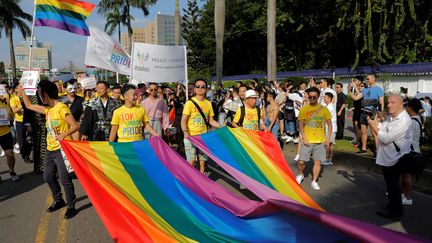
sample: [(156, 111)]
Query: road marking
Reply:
[(62, 231), (44, 222)]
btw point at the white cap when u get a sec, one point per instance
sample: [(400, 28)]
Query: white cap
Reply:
[(251, 93)]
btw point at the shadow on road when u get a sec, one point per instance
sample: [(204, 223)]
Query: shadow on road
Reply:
[(28, 182)]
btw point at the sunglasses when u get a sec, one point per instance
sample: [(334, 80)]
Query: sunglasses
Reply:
[(151, 90), (200, 87), (313, 97)]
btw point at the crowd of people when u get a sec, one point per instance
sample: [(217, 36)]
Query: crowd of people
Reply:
[(310, 115)]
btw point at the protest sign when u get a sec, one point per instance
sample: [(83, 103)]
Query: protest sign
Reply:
[(159, 64), (30, 79), (88, 82), (103, 52)]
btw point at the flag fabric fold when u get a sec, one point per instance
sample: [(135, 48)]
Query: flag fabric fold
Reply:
[(69, 15), (146, 192)]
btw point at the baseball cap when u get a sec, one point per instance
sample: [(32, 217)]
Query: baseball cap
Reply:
[(251, 93)]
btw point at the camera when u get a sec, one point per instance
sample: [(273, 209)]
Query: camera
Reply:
[(370, 112)]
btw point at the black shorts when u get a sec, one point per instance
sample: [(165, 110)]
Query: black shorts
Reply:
[(281, 116), (6, 141), (363, 119)]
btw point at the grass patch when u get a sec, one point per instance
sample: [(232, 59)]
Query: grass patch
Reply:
[(345, 145)]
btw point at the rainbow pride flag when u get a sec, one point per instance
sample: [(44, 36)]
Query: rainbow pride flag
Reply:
[(69, 15), (146, 192)]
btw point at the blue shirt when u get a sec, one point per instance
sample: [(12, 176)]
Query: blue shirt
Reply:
[(371, 94)]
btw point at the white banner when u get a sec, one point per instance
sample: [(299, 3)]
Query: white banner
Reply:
[(30, 79), (103, 52), (159, 64)]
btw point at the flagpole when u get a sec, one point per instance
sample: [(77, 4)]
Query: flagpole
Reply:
[(31, 35), (186, 74), (132, 61)]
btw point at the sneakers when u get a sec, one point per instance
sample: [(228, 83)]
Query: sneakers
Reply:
[(361, 151), (2, 154), (27, 160), (406, 201), (289, 139), (284, 137), (14, 177), (326, 162), (299, 179), (16, 148), (56, 206), (296, 140), (315, 185), (70, 213), (296, 158)]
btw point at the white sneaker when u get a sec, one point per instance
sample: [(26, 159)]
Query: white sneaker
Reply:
[(289, 139), (16, 146), (406, 201), (315, 185), (296, 158), (325, 162), (296, 140), (284, 137), (299, 179), (15, 178), (16, 150), (2, 154)]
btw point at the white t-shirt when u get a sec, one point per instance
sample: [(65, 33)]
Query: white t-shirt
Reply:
[(322, 94), (297, 99), (331, 107)]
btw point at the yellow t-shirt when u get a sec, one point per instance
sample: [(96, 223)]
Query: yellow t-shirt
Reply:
[(250, 121), (196, 124), (59, 124), (130, 122), (5, 114), (15, 102), (315, 128)]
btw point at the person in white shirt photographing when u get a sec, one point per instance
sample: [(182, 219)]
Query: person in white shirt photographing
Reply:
[(392, 131)]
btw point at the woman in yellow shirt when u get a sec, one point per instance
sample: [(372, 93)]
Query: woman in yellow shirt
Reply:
[(128, 121), (6, 139), (60, 125)]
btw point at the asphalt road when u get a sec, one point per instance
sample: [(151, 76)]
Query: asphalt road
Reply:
[(347, 191)]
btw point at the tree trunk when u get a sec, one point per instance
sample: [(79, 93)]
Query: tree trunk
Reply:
[(11, 51), (219, 18), (129, 26), (177, 24), (271, 40)]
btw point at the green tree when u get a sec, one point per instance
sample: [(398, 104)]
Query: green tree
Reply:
[(106, 6), (11, 17), (114, 20)]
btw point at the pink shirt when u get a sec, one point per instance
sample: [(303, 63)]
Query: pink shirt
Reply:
[(156, 109)]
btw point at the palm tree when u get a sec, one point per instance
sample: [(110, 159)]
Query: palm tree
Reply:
[(11, 17), (271, 40), (219, 22), (124, 7), (114, 19)]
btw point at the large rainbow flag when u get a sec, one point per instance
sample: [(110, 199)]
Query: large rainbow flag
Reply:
[(146, 192), (69, 15)]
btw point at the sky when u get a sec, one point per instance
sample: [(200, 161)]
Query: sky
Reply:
[(71, 47)]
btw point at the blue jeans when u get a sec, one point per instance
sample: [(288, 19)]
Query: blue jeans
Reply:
[(290, 127), (275, 128)]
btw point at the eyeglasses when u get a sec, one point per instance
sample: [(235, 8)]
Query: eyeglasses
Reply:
[(313, 97), (151, 90), (200, 87)]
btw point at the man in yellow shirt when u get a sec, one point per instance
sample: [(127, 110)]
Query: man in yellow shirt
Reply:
[(249, 116), (193, 123), (312, 120), (128, 121), (60, 125), (6, 139)]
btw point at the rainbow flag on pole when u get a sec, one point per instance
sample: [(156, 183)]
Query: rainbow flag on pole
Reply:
[(69, 15), (146, 192)]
